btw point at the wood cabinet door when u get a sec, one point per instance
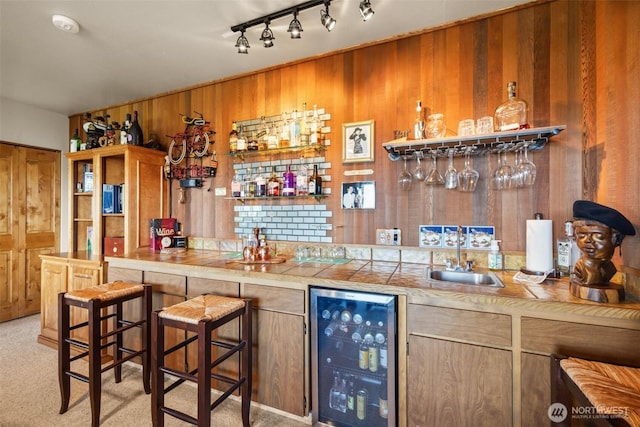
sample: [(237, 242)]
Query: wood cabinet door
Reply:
[(9, 226), (456, 384), (54, 276)]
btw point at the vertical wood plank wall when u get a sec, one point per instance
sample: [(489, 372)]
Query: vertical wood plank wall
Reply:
[(575, 62)]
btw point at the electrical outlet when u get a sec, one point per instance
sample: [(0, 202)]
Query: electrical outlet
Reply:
[(388, 236)]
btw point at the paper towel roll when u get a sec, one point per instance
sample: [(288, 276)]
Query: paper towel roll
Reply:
[(540, 245)]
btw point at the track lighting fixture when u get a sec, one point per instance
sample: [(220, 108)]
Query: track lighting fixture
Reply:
[(295, 28), (365, 10), (326, 19), (242, 43), (267, 37)]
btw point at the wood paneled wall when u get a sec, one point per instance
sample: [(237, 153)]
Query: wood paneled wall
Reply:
[(575, 62)]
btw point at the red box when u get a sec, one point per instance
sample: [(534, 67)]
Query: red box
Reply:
[(113, 246), (162, 232)]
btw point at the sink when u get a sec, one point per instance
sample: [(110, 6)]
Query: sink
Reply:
[(465, 277)]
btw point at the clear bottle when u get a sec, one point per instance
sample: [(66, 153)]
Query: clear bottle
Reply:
[(250, 185), (334, 393), (261, 183), (494, 260), (284, 132), (304, 129), (435, 127), (272, 137), (568, 251), (342, 400), (241, 142), (418, 126), (74, 142), (233, 138), (273, 186), (135, 131), (288, 183), (294, 130), (511, 114), (236, 185), (302, 180), (314, 137)]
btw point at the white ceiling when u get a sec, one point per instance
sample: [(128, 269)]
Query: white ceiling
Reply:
[(131, 49)]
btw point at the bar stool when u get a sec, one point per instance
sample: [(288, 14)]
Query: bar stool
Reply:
[(607, 394), (201, 315), (100, 336)]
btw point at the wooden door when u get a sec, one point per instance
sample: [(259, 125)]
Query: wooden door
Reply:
[(29, 224)]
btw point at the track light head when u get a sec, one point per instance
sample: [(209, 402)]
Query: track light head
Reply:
[(365, 10), (295, 28), (267, 37), (326, 19), (242, 43)]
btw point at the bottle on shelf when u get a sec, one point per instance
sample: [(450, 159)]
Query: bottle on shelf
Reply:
[(135, 131), (261, 183), (315, 135), (568, 251), (374, 355), (511, 114), (361, 404), (252, 145), (302, 179), (288, 183), (304, 129), (418, 126), (315, 182), (383, 404), (334, 393), (342, 400), (383, 355), (332, 312), (241, 142), (236, 185), (332, 328), (294, 130), (285, 132), (272, 137), (363, 355), (75, 142), (273, 186), (249, 184), (351, 396), (233, 138), (358, 334)]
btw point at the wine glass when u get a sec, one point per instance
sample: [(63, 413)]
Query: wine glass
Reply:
[(526, 169), (467, 177), (434, 177), (405, 178), (418, 173), (502, 176), (451, 175)]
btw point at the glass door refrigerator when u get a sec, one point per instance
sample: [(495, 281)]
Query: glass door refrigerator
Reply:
[(353, 356)]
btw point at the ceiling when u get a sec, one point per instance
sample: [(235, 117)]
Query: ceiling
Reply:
[(132, 49)]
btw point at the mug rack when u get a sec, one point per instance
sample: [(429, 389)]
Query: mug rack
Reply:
[(476, 145)]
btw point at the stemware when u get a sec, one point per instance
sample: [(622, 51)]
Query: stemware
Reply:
[(418, 173), (502, 176), (451, 175), (405, 178), (433, 176), (467, 177), (526, 169)]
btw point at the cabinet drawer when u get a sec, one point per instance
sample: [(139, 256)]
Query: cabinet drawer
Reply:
[(605, 343), (166, 283), (199, 285), (466, 325), (125, 274), (274, 298)]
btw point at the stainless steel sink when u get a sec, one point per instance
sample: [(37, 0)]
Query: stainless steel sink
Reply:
[(465, 277)]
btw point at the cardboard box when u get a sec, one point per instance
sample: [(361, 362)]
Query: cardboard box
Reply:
[(162, 232), (113, 246)]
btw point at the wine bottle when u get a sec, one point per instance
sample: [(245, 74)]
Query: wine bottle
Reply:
[(315, 182), (74, 142), (233, 138), (135, 131), (511, 114)]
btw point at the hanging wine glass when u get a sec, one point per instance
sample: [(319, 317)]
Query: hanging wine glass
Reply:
[(468, 177), (451, 175), (405, 178), (433, 176), (526, 169), (418, 173), (517, 176), (502, 176)]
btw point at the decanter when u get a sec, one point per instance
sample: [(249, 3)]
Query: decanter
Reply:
[(512, 114)]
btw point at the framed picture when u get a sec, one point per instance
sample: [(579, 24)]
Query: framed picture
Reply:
[(359, 195), (357, 142)]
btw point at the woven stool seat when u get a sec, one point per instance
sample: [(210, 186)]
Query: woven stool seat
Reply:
[(202, 308), (105, 292), (608, 387)]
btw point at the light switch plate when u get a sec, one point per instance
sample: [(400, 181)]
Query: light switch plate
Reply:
[(388, 236)]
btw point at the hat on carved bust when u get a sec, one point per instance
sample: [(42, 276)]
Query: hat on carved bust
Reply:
[(587, 210)]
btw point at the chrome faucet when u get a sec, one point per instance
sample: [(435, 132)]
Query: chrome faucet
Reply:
[(458, 266)]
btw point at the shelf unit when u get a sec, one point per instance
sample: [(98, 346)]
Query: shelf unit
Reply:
[(144, 196), (319, 148), (477, 145)]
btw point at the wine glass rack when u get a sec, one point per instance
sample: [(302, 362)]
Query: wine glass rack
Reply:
[(475, 145)]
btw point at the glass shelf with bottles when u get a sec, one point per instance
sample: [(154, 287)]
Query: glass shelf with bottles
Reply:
[(476, 145), (263, 198), (280, 150)]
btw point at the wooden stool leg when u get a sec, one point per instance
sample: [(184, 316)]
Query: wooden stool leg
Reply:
[(157, 377), (146, 339), (64, 364), (95, 381), (117, 370), (245, 389), (204, 370)]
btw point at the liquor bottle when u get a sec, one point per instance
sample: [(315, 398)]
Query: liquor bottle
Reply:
[(236, 185), (511, 114), (315, 182), (342, 399), (568, 251), (252, 145), (361, 404), (273, 186), (250, 186), (334, 393), (383, 404), (74, 142), (302, 180), (241, 143), (289, 183), (124, 130), (261, 184), (383, 355), (314, 137), (233, 138), (351, 396), (272, 137), (294, 130), (418, 127), (374, 356), (304, 129), (285, 134), (135, 131)]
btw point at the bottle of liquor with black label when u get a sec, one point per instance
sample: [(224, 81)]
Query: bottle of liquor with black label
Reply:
[(135, 131)]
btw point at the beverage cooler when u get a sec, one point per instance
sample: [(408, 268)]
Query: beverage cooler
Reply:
[(353, 348)]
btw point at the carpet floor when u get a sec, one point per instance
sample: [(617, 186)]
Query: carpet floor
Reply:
[(30, 396)]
